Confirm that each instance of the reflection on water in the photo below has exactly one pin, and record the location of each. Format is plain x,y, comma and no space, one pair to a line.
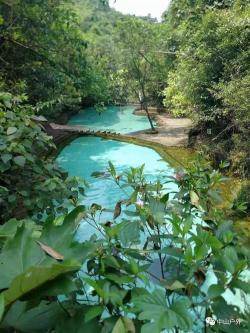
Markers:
116,119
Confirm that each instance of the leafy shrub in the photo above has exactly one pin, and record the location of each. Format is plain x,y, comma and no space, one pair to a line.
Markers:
30,182
209,81
243,198
146,269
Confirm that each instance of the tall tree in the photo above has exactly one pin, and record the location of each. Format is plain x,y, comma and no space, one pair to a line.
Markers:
140,43
209,80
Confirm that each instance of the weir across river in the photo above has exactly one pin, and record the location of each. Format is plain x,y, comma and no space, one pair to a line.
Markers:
173,133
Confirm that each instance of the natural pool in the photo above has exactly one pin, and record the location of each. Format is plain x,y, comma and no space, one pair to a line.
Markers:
115,119
86,155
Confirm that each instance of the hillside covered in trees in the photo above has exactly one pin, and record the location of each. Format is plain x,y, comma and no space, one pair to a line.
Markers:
166,258
195,62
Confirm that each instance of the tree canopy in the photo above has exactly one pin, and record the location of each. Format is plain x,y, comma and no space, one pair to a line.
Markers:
210,77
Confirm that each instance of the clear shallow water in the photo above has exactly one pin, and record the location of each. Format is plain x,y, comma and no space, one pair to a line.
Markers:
115,119
86,155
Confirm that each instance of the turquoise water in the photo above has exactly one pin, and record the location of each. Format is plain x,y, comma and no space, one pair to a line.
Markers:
115,119
86,155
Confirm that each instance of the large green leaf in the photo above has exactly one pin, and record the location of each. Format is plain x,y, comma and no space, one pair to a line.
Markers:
93,312
129,232
215,290
8,229
59,233
229,258
19,160
1,305
62,285
149,328
243,285
11,130
22,252
60,237
108,292
223,310
77,323
18,255
28,317
182,316
119,327
153,306
34,278
158,210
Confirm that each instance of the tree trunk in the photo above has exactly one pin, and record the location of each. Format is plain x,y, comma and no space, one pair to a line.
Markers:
145,105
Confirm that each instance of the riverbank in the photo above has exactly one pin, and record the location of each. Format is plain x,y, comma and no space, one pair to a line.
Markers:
170,143
172,132
176,156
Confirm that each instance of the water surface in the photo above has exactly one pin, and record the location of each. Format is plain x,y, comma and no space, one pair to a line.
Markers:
115,119
86,155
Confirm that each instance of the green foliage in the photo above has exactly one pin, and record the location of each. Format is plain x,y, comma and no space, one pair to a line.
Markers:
53,58
30,274
147,273
154,305
209,81
104,73
241,203
145,65
31,51
30,182
235,96
35,277
150,269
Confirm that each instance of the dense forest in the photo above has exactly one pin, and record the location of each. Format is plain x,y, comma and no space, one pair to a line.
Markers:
56,58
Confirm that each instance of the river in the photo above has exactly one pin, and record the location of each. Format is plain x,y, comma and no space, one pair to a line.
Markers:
87,155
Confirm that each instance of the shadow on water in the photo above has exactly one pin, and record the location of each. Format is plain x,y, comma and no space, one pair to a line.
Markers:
91,117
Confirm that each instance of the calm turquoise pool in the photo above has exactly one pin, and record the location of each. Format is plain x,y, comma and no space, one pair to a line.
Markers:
116,119
86,155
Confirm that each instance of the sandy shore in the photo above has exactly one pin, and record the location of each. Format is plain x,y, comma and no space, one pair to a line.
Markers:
172,132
